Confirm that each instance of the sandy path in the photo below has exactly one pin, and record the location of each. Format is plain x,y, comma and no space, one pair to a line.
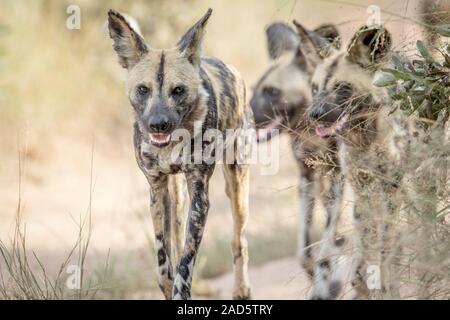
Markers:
281,279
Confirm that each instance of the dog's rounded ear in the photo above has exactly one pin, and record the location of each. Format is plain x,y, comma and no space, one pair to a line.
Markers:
330,33
128,44
190,45
280,39
311,44
369,46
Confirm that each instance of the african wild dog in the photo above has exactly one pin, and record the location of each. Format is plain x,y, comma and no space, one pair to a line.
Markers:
280,100
348,105
169,90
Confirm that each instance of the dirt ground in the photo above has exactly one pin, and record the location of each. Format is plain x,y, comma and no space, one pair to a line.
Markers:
121,228
281,279
120,222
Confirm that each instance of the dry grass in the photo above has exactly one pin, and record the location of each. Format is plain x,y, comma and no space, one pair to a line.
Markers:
24,276
427,213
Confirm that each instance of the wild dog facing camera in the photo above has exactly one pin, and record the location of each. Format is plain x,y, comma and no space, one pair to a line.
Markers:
341,85
178,89
163,86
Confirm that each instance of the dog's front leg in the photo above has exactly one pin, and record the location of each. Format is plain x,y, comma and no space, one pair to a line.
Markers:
391,247
307,198
326,286
305,214
159,210
362,229
197,181
178,195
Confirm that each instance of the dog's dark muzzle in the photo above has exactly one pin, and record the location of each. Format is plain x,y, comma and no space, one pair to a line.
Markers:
322,110
160,123
263,112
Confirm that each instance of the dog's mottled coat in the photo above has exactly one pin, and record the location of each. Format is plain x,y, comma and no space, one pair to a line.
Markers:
280,100
171,90
372,146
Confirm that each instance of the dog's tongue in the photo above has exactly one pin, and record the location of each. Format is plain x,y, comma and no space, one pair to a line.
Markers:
322,131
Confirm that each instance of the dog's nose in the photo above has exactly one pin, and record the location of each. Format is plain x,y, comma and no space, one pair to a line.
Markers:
159,123
314,114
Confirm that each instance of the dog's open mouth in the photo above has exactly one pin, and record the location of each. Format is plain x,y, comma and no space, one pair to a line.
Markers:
159,139
328,129
267,131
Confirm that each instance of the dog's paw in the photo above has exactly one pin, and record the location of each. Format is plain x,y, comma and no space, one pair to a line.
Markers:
331,293
242,294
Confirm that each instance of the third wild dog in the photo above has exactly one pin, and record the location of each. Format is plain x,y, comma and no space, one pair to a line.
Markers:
170,91
280,100
348,105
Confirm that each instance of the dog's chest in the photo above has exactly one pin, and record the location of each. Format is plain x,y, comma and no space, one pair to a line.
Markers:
372,165
154,161
180,157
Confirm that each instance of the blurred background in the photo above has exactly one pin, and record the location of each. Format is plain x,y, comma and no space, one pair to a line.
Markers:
66,138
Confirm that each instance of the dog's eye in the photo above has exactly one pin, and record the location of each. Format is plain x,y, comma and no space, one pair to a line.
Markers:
143,90
271,92
343,87
314,89
178,91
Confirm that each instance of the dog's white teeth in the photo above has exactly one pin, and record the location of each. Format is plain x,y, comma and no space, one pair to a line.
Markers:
159,137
